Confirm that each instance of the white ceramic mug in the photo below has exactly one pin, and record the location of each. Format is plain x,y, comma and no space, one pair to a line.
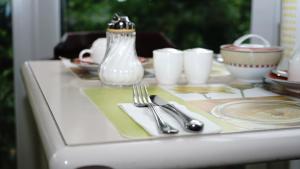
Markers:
197,65
97,51
168,65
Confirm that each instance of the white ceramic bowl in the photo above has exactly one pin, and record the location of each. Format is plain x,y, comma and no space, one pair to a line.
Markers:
250,62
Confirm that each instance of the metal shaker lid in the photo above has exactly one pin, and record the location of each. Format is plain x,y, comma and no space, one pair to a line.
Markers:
120,23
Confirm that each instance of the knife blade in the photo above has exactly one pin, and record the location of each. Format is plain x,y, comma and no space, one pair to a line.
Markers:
188,123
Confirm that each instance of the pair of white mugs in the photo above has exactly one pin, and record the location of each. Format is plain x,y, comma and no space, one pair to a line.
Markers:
169,64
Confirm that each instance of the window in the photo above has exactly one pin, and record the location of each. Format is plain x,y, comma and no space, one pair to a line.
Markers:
187,24
7,123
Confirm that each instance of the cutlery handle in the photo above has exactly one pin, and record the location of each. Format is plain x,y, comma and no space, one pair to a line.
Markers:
162,125
188,122
177,112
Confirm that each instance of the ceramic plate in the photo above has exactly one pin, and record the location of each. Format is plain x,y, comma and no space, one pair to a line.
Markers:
266,112
289,85
90,66
87,65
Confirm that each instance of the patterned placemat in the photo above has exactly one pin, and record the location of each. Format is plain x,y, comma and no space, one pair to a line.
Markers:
107,99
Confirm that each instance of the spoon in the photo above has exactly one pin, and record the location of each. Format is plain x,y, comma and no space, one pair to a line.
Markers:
187,122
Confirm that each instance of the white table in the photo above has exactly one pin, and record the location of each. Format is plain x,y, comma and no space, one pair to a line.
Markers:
75,134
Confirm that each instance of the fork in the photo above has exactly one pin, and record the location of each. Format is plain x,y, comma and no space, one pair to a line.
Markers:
141,99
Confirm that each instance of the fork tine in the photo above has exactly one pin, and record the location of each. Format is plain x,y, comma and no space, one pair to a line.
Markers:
145,94
134,94
140,94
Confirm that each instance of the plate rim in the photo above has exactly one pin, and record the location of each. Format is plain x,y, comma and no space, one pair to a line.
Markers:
218,107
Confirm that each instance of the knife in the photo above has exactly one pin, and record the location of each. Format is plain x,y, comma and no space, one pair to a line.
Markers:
187,122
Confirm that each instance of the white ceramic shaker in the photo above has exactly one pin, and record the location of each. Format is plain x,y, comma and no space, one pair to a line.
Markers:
121,66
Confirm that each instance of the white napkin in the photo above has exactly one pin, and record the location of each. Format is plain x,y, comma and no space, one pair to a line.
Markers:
145,118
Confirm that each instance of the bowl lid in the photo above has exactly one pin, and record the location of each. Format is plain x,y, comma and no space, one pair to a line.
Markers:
239,46
232,47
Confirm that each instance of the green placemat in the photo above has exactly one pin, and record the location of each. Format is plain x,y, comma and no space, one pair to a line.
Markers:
107,99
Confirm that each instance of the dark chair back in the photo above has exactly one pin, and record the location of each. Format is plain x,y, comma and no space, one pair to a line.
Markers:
73,42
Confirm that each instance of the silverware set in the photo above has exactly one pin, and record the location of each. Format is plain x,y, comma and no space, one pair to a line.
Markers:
141,98
187,122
